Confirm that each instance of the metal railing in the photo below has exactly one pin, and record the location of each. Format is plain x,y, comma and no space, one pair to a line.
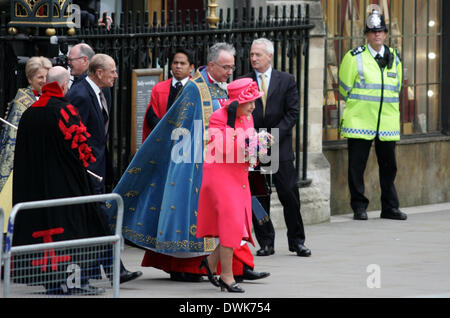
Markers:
2,222
138,42
45,249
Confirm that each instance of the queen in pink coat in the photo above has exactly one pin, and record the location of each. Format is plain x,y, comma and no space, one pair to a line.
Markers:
225,201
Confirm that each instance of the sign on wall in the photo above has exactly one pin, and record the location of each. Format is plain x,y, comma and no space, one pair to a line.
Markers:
143,81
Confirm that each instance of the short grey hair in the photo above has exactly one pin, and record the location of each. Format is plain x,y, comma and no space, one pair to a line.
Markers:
267,43
214,51
99,62
86,50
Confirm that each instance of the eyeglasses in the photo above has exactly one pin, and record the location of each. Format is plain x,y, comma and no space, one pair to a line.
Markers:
226,67
74,58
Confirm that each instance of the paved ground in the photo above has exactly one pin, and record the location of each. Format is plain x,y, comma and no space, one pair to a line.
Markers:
403,258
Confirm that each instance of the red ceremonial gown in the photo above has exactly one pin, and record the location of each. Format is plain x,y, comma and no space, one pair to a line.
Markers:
158,102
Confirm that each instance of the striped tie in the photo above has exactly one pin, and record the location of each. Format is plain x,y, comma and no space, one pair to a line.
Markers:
105,112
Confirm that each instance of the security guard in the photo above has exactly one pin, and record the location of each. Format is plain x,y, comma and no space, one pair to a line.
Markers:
370,79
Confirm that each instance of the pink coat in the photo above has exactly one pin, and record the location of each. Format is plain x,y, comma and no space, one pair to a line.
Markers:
225,209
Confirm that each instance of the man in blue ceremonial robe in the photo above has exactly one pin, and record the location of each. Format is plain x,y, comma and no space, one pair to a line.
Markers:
161,185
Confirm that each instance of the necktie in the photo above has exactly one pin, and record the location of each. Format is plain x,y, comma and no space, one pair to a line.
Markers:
379,60
174,93
264,89
104,111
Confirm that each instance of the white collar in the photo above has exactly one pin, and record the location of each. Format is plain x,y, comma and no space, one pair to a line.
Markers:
94,86
183,81
374,53
222,85
267,73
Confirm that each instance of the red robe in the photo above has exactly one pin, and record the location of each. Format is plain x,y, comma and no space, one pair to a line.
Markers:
158,102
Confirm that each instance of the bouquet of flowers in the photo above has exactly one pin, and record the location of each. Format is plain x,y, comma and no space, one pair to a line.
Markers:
256,146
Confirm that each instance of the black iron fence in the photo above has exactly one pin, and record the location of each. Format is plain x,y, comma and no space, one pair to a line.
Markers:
144,41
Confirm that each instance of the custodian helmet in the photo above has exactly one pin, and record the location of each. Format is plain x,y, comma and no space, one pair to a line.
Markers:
375,22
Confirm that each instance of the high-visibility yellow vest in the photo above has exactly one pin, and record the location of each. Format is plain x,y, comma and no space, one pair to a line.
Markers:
372,96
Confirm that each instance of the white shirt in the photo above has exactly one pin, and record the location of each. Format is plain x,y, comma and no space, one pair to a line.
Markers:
267,74
96,89
183,81
374,53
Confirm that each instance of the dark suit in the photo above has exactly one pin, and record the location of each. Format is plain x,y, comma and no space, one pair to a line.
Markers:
282,111
82,96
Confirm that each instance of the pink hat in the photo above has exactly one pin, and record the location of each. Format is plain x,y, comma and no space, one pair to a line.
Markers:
242,90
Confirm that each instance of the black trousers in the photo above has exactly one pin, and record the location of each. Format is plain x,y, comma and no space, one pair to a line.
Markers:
358,153
285,181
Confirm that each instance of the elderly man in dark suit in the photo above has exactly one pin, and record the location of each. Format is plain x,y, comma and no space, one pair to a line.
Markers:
87,95
79,58
93,106
278,109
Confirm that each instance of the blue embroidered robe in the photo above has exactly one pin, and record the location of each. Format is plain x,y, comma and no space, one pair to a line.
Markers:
161,185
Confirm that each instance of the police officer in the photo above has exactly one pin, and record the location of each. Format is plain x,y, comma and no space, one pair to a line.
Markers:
370,80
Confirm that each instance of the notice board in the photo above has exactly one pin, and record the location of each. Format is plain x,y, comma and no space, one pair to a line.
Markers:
143,81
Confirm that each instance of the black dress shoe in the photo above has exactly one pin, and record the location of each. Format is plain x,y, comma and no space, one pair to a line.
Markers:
185,277
85,289
265,251
301,250
360,215
55,289
126,276
394,214
250,274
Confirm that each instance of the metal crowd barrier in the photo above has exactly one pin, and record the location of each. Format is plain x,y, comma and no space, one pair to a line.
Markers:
30,268
2,220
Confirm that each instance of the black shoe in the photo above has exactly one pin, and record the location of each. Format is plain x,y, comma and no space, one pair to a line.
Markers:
250,274
360,215
210,275
301,250
394,214
126,276
265,251
185,277
57,290
232,288
86,290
